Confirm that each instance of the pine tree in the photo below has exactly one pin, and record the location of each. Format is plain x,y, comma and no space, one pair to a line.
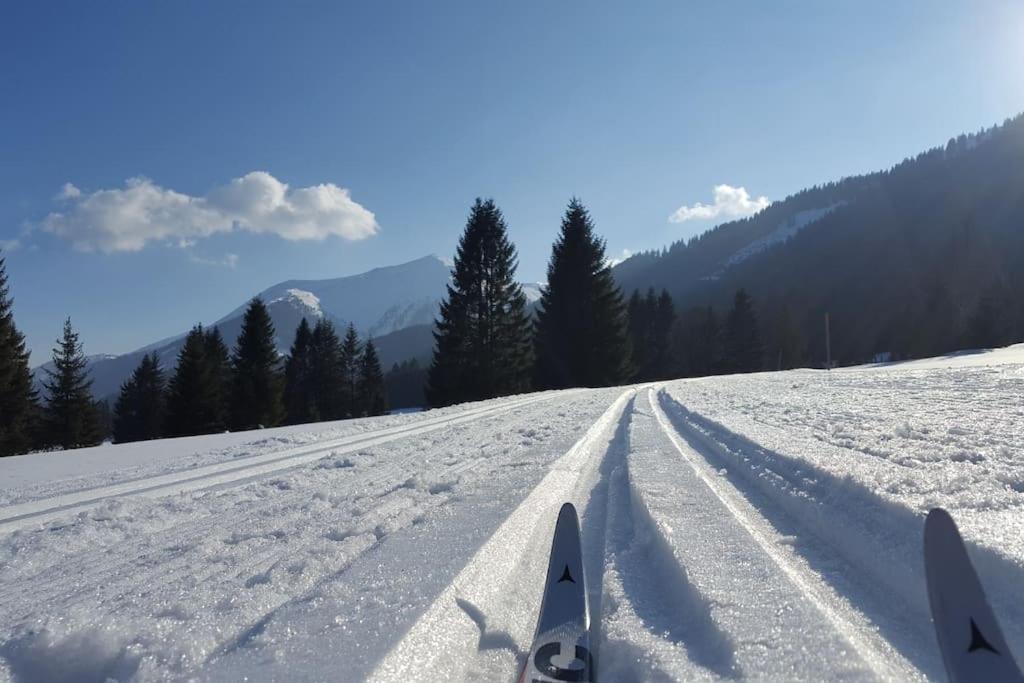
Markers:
256,382
194,403
349,357
791,349
636,314
140,410
299,385
218,368
18,405
983,325
70,417
372,393
743,350
325,352
664,316
482,340
581,336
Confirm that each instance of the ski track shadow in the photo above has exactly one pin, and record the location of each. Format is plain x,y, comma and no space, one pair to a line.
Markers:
594,521
658,587
492,640
888,596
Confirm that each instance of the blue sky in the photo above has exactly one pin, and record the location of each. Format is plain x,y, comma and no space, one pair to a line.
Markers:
141,142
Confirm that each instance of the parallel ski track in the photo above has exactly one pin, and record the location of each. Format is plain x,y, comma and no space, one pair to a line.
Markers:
109,579
874,651
41,511
444,640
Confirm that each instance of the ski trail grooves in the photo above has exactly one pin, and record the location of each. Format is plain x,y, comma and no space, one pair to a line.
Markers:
651,607
220,474
873,651
447,636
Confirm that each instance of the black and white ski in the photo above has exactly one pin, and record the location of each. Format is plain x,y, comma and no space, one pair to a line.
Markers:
972,644
561,646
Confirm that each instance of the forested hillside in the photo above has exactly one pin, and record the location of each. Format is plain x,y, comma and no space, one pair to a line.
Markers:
924,258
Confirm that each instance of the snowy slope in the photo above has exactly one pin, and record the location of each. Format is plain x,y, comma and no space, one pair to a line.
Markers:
754,526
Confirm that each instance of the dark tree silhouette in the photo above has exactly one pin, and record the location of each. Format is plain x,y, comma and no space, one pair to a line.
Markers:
581,336
350,351
743,349
218,366
482,339
256,381
18,404
70,419
140,410
299,381
194,402
328,378
372,393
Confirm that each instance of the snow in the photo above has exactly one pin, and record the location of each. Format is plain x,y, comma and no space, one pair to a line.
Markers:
781,233
532,290
761,526
307,300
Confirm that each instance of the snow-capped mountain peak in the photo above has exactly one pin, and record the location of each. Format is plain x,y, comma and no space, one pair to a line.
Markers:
300,298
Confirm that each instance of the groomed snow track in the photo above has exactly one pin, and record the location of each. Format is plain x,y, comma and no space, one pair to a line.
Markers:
690,580
416,552
232,473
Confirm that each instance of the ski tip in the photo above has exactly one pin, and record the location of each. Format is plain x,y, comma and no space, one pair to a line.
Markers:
937,521
567,515
938,516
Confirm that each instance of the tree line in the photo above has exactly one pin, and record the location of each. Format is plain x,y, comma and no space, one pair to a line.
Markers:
921,259
582,333
211,389
486,342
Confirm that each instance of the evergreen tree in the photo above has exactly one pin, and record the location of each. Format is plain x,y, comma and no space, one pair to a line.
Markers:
327,376
482,339
983,325
697,343
218,368
743,350
406,384
664,316
636,314
256,382
70,417
581,336
790,351
194,402
18,405
299,385
104,419
372,393
349,356
140,410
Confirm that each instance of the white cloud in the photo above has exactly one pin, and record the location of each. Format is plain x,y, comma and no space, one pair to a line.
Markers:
126,219
730,202
229,260
9,245
68,191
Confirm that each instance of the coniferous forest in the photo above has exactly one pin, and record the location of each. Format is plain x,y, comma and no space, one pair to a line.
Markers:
920,260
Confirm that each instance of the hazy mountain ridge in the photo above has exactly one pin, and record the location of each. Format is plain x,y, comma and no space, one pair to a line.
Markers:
395,305
905,261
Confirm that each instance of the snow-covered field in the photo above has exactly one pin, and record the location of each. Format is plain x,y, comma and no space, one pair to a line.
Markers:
758,526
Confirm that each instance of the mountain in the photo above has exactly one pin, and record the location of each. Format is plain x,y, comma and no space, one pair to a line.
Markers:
377,302
396,305
920,259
